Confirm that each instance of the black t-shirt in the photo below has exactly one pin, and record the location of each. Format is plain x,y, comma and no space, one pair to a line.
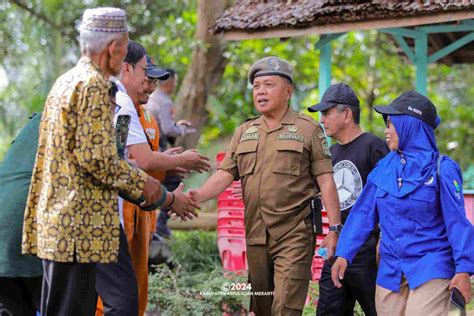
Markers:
352,164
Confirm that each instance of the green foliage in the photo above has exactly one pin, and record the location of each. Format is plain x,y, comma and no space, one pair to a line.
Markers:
39,44
180,292
196,251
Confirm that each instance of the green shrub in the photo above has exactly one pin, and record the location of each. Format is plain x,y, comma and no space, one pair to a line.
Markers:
196,251
180,291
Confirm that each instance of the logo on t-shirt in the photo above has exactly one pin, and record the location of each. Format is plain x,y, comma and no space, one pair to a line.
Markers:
348,183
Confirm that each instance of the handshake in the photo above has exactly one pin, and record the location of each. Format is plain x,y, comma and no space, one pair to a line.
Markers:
180,203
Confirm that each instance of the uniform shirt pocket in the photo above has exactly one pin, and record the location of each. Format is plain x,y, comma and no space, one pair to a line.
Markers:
288,157
246,157
423,205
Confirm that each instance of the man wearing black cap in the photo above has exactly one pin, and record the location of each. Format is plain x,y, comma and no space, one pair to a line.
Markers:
354,156
143,147
278,157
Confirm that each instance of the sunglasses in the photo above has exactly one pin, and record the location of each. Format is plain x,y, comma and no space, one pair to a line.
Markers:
388,122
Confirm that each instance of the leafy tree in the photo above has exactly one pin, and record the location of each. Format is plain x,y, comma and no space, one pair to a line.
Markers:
38,43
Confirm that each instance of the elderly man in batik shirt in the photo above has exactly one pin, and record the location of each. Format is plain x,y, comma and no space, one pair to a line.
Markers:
71,216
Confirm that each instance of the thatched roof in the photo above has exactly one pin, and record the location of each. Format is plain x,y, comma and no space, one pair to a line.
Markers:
285,18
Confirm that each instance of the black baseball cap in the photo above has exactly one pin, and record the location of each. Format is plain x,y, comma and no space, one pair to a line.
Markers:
338,93
414,104
153,71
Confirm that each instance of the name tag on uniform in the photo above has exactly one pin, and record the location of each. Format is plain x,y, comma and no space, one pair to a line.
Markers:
252,136
288,136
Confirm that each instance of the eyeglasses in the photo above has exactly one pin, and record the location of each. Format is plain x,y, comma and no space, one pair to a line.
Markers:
141,66
388,122
137,64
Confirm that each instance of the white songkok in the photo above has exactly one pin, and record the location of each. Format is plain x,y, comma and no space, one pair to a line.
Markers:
110,20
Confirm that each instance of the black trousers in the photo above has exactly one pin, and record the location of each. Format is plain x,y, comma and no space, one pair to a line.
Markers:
358,284
68,289
20,296
116,283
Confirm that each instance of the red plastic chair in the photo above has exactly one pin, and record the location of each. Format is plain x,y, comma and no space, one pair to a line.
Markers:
226,231
233,212
317,267
226,203
231,222
220,156
469,206
233,252
318,261
227,195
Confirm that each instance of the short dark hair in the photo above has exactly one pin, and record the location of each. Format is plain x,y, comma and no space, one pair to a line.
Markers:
172,72
354,109
135,53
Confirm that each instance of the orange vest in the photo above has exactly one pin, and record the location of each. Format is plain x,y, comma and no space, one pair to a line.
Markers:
152,133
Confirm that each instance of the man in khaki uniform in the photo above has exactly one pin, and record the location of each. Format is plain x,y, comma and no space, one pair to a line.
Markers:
279,157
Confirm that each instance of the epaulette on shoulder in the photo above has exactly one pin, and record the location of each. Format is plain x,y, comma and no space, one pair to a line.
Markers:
307,118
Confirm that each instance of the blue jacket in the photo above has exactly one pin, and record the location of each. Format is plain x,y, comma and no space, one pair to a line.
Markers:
425,234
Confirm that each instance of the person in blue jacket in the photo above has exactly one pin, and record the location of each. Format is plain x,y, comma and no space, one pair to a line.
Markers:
427,243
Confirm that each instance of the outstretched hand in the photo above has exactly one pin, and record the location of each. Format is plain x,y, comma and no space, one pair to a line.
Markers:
194,161
173,151
183,206
178,172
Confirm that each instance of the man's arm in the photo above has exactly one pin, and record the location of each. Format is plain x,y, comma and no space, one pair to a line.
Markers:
150,160
331,204
330,198
214,186
224,176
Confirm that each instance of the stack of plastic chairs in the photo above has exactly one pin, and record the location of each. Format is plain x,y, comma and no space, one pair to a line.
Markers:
318,261
231,228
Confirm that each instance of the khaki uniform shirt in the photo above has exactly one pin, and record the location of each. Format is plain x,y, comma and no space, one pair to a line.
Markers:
277,168
71,211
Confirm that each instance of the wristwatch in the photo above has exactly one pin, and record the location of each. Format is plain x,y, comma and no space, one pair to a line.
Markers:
336,228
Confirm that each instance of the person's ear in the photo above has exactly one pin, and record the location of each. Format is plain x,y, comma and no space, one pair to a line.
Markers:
112,47
289,91
347,115
125,68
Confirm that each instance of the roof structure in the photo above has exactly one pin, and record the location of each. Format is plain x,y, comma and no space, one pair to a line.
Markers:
427,31
251,19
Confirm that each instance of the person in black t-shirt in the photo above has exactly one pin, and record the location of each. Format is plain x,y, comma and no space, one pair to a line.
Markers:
353,157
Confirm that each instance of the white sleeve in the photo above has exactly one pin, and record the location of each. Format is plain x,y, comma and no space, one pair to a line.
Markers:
136,135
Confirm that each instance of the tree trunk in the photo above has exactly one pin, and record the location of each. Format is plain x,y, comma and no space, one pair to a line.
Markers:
204,72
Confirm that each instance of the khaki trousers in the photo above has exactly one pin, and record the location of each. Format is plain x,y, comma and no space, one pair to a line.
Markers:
284,267
429,299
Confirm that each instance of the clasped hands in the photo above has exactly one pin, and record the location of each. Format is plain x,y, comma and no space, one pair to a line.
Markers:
180,203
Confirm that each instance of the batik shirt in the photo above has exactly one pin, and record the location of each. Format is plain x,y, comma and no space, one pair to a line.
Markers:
71,212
